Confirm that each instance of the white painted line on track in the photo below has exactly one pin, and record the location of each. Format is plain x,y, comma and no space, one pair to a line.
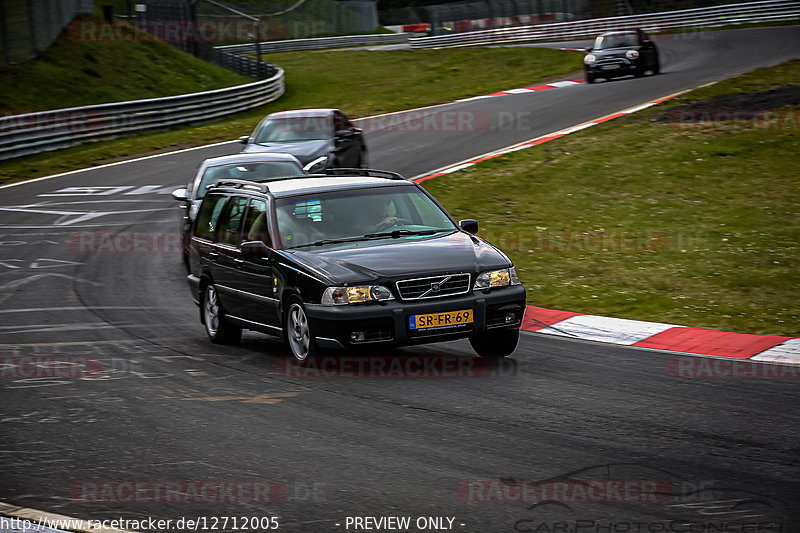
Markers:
34,517
117,163
356,120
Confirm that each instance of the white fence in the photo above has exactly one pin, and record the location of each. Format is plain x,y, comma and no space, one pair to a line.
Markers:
708,17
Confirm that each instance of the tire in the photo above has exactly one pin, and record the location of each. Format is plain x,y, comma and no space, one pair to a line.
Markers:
495,345
297,331
589,79
657,67
363,160
219,330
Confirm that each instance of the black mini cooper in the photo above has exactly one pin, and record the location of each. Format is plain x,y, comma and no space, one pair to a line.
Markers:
355,257
621,53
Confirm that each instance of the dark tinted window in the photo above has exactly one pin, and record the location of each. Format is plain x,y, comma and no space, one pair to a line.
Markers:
231,221
616,40
208,217
296,128
256,223
247,171
340,122
353,213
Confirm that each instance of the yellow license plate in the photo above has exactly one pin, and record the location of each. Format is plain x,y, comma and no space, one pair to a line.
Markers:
449,319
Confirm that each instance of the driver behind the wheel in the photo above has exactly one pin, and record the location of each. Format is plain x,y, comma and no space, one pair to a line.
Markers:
377,209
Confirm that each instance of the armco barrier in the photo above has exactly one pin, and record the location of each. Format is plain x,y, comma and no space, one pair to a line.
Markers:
33,133
707,17
294,45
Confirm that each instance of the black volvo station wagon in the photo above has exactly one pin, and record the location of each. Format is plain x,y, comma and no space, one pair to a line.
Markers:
355,257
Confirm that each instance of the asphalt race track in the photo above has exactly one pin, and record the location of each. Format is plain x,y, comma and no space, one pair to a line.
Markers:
157,403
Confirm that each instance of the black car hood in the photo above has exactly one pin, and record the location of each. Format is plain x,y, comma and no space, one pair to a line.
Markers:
613,52
305,151
403,258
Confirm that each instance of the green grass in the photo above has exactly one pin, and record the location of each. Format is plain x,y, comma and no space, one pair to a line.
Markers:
403,79
708,218
74,73
386,81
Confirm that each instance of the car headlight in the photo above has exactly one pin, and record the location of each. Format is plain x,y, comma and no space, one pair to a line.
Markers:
320,163
497,278
356,294
631,54
589,59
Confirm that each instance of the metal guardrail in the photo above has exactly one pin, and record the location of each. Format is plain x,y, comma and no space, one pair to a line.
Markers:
32,133
764,11
295,45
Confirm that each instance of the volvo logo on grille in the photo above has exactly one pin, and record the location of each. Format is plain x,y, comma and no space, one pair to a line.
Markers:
436,286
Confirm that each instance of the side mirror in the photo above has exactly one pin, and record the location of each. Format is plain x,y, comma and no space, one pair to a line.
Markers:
181,195
255,248
587,49
244,140
344,134
469,225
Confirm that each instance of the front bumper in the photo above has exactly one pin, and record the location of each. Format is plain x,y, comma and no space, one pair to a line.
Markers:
613,69
387,323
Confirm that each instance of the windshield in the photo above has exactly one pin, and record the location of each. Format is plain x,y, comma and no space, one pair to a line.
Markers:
359,215
247,171
294,129
616,40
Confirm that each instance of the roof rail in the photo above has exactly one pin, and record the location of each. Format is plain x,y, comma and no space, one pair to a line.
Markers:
242,184
363,172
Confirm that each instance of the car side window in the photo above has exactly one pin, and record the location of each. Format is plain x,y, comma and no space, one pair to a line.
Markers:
256,225
231,221
208,217
340,122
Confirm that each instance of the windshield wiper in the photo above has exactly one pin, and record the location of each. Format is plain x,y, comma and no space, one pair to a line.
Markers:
328,241
370,236
402,233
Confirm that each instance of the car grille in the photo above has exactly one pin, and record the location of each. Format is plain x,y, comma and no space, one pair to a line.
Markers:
434,287
620,61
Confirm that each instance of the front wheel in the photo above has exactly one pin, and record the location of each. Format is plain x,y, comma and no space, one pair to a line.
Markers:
219,330
297,331
496,344
657,67
589,79
363,161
